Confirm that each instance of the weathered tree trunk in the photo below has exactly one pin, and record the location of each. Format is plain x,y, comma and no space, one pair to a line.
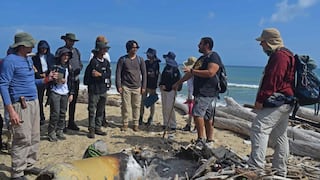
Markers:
238,126
308,113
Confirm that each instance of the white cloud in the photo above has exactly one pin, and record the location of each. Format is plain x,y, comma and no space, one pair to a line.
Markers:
287,12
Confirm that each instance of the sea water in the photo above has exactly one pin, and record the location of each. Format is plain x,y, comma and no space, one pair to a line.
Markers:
243,83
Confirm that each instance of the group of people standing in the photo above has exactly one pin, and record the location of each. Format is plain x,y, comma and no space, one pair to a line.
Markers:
23,82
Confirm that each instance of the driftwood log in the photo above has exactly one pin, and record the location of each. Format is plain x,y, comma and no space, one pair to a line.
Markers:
302,142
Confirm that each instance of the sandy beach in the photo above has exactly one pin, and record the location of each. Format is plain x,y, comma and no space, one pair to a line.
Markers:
76,143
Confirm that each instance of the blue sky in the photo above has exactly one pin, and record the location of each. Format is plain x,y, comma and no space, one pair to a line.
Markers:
167,25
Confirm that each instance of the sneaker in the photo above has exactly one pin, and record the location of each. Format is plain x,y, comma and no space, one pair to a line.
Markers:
135,128
210,143
124,128
91,134
60,135
52,137
187,128
100,132
199,144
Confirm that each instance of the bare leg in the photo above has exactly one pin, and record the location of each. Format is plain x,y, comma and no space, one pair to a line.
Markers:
199,121
209,130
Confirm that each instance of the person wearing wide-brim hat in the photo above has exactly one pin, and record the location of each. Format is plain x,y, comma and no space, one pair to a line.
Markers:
169,76
69,36
98,79
189,63
76,64
150,96
103,39
271,122
17,75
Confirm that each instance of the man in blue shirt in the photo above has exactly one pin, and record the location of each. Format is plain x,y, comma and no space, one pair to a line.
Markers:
19,94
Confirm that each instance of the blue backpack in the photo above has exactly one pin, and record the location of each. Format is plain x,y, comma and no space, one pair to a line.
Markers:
307,84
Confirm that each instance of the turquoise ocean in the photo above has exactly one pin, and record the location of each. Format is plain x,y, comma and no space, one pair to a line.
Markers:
243,83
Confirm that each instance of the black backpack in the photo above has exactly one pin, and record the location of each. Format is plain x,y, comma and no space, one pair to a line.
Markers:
307,84
223,83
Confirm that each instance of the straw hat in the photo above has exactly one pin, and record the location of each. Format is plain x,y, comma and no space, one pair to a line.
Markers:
190,61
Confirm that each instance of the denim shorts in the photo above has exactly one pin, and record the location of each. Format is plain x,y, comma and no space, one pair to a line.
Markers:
204,107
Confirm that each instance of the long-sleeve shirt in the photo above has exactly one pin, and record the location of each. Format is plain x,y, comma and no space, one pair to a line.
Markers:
98,85
131,72
17,79
278,75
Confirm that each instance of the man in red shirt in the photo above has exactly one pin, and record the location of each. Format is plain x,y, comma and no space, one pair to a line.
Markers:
272,117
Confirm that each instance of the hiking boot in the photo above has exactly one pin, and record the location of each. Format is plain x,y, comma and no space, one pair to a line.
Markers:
135,128
60,135
52,137
100,132
187,128
105,123
124,127
91,133
140,120
149,121
73,126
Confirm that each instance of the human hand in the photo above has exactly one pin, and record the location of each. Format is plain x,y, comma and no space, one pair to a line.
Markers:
186,69
14,118
143,90
53,75
95,73
175,86
258,105
70,98
119,90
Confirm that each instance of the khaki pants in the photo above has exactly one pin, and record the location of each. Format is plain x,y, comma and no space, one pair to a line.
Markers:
26,138
131,98
270,124
168,112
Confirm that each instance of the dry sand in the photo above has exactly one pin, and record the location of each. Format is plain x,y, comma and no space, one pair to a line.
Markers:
76,143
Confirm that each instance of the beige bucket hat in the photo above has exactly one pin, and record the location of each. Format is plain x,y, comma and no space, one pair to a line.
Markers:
23,39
